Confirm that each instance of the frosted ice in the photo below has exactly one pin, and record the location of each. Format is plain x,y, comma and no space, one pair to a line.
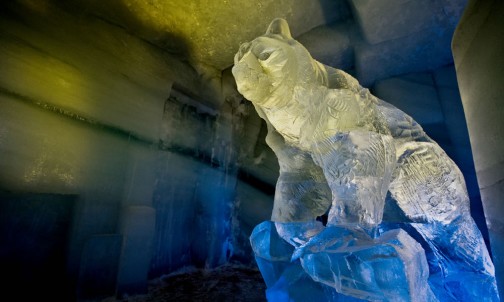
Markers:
346,154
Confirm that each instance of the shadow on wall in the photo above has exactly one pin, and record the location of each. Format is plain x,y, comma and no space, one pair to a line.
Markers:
143,20
332,10
123,14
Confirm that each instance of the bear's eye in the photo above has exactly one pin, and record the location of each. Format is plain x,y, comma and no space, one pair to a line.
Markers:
263,56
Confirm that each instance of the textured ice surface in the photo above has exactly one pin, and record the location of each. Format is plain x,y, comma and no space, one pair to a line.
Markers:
344,265
346,154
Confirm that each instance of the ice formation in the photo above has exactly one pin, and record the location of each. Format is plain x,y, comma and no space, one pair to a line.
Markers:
348,155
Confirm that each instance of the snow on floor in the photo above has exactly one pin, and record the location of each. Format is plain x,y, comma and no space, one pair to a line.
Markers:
226,283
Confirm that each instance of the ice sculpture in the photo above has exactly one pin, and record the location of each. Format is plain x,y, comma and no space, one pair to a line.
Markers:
348,155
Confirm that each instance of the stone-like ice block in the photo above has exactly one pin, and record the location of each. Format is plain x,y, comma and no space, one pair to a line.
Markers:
52,153
451,103
425,50
393,19
213,198
137,226
330,45
446,77
197,125
345,154
175,205
140,175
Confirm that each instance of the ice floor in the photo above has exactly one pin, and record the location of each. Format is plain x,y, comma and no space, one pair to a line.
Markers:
226,283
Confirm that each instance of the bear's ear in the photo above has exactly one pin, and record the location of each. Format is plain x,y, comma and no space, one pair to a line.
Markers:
279,27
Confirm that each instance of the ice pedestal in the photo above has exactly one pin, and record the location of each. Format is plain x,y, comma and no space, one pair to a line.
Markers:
341,264
309,262
285,280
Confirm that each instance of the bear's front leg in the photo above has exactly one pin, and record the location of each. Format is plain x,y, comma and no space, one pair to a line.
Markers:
358,167
301,192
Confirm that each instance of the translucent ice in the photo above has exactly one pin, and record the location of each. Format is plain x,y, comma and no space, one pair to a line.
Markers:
348,155
346,262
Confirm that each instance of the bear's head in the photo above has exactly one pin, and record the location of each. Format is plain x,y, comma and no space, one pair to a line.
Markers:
268,68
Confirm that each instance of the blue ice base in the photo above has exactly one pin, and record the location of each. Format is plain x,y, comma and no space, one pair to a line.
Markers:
345,264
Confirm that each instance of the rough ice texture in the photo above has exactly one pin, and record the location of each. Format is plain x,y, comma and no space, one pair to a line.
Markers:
394,19
348,155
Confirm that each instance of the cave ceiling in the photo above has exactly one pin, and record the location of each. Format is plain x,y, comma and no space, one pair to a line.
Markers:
208,32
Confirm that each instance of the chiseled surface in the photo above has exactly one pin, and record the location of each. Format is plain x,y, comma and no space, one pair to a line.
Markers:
345,153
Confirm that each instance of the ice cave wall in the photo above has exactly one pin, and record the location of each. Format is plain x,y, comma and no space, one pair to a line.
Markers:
126,177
